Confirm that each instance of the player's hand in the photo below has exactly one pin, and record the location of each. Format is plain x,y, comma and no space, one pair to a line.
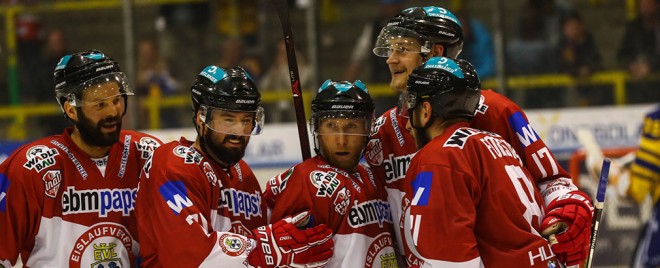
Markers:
283,244
568,227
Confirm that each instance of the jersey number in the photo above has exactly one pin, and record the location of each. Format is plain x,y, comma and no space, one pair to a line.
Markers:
525,191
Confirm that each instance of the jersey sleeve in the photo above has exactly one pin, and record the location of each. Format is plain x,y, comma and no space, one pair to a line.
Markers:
175,217
552,180
287,194
20,208
441,196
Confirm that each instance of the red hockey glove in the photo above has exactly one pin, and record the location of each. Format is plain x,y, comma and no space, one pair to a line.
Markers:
569,221
283,244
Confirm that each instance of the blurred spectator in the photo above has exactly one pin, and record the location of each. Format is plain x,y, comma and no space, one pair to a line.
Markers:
154,78
32,74
277,79
639,49
478,45
232,54
529,51
362,53
577,51
234,19
56,48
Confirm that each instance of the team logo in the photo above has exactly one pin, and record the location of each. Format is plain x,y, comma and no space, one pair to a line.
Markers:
189,154
342,200
325,182
374,152
52,180
40,157
103,245
381,253
210,174
146,146
233,245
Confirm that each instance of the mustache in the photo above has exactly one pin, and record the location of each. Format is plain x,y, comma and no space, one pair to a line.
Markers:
112,119
242,139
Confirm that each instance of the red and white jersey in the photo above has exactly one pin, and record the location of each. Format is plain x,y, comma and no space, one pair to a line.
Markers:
469,202
354,206
391,148
193,213
58,210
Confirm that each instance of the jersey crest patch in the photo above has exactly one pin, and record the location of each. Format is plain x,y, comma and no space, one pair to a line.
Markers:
381,253
40,157
146,146
101,245
459,137
325,182
4,185
233,245
374,152
342,200
52,180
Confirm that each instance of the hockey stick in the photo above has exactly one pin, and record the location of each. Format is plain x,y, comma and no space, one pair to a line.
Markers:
600,203
282,8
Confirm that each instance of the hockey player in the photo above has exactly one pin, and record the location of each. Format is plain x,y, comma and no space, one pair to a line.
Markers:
199,204
338,190
644,181
419,33
465,187
67,200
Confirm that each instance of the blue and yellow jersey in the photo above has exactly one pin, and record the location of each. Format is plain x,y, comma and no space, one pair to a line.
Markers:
645,171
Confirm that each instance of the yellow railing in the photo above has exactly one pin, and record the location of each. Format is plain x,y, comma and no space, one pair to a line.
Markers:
154,102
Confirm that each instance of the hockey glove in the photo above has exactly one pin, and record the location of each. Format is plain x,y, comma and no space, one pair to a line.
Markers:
568,224
283,244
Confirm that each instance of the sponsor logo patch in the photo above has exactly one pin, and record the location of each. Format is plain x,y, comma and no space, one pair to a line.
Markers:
524,131
379,123
482,108
52,180
342,200
374,152
396,167
189,154
369,212
101,201
326,182
240,202
40,157
459,137
175,195
146,146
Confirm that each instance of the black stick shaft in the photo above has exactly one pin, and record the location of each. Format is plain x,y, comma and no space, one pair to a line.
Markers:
282,8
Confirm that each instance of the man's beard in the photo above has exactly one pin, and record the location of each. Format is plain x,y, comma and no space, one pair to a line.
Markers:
229,156
93,135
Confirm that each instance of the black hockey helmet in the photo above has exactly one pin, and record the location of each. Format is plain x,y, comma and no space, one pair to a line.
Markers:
443,83
77,72
342,100
428,25
470,74
230,89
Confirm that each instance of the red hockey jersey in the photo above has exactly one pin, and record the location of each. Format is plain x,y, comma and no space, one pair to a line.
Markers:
354,206
391,148
193,213
469,202
58,210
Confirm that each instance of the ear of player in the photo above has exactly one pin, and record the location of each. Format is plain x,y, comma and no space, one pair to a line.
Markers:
287,244
568,220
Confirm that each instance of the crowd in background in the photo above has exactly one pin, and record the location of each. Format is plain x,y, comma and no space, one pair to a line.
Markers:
544,37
